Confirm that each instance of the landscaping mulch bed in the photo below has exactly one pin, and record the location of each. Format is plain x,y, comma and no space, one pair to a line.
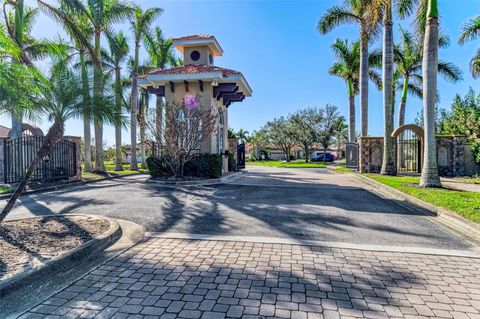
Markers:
28,243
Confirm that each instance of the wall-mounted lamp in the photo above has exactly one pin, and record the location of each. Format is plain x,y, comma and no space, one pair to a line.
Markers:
215,82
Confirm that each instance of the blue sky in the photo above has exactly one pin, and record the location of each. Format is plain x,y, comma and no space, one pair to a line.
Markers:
276,46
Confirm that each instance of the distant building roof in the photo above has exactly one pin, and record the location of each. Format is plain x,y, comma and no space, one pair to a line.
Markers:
4,131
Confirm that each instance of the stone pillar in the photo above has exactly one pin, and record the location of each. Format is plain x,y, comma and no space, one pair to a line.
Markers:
78,158
370,154
458,155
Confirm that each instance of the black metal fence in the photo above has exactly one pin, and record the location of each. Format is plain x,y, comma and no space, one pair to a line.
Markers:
408,153
19,153
241,156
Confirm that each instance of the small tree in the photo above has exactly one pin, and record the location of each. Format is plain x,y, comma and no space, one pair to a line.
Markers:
305,125
330,125
186,128
60,100
279,133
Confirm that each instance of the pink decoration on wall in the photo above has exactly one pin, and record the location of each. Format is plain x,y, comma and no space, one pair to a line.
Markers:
191,102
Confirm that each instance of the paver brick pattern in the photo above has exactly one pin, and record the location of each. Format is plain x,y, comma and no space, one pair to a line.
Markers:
175,278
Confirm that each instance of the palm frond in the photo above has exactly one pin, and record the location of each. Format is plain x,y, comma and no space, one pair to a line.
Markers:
449,71
376,79
70,25
405,8
334,17
475,65
470,30
375,58
415,90
116,11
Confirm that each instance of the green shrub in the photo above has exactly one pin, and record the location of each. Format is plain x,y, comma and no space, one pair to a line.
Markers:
476,151
232,163
157,167
204,165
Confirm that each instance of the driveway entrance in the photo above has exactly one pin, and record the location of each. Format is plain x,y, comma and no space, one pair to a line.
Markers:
309,204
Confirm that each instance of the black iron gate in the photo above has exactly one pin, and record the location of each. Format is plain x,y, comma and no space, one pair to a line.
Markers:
408,150
19,153
241,156
351,155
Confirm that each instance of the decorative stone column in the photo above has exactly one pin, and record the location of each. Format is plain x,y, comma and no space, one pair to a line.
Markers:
370,154
458,155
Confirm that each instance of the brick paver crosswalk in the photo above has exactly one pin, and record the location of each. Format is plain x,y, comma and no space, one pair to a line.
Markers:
176,278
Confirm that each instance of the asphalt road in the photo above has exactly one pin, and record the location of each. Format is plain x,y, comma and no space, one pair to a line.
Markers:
310,204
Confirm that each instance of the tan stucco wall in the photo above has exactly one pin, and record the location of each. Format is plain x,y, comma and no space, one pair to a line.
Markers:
206,100
204,53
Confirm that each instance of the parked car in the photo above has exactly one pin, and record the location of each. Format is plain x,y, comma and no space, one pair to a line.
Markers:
329,157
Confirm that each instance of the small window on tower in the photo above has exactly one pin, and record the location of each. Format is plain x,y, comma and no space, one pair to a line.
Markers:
195,55
210,59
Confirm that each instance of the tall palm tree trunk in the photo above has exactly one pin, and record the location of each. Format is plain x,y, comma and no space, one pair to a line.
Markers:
403,102
133,123
388,164
430,176
351,113
364,81
98,97
87,135
54,135
16,131
141,122
134,109
118,128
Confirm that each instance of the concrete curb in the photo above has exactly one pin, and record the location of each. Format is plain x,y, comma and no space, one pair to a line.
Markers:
66,185
451,220
34,277
204,182
316,243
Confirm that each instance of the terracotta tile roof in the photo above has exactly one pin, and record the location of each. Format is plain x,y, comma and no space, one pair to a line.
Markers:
194,37
195,69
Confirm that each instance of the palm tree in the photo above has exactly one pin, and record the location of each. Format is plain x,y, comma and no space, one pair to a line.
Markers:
388,163
86,29
408,61
19,26
357,12
140,24
430,176
242,135
470,31
18,30
101,15
118,54
61,101
161,53
347,67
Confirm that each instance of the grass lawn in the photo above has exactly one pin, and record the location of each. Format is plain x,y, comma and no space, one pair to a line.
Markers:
340,168
6,189
466,204
293,164
110,167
